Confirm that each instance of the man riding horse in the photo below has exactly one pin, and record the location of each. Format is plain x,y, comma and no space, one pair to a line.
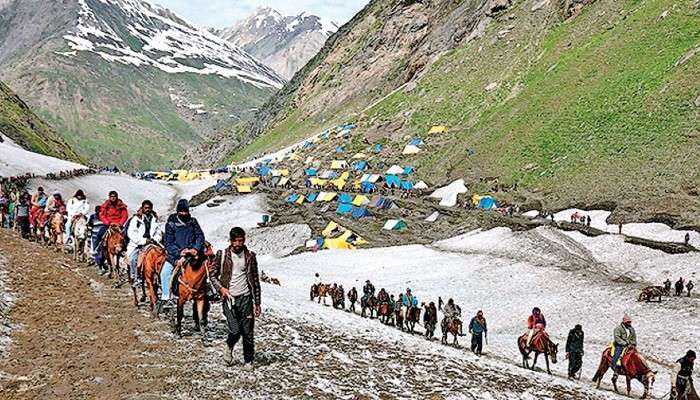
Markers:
624,337
39,200
143,230
536,324
183,237
368,289
76,207
452,312
112,212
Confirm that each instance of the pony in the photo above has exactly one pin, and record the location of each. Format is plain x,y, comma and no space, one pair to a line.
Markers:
384,313
192,286
400,315
38,228
148,266
368,302
452,327
56,225
112,245
321,291
649,293
338,298
541,344
634,366
79,232
412,318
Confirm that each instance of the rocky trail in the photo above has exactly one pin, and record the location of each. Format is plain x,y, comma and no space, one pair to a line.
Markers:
77,336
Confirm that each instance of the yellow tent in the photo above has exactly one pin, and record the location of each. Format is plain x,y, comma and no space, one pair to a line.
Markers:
243,189
345,175
339,164
338,183
360,200
250,181
476,199
438,129
411,149
283,181
357,185
348,233
280,172
330,228
294,157
337,244
326,196
359,156
300,200
318,181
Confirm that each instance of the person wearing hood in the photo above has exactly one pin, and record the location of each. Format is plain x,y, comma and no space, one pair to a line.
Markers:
76,206
183,237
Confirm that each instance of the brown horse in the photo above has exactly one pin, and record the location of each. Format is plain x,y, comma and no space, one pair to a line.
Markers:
38,228
148,266
368,302
79,233
400,315
453,327
634,366
112,245
384,313
192,286
57,226
321,291
541,344
412,317
338,298
650,293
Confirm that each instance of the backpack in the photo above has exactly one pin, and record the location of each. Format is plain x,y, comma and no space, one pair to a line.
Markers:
125,231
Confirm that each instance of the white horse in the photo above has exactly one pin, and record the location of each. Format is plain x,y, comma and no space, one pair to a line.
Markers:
79,232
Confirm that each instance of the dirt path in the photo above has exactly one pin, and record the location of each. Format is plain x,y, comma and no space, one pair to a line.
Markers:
76,336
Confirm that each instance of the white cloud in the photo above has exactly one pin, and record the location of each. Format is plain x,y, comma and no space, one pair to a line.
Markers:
221,13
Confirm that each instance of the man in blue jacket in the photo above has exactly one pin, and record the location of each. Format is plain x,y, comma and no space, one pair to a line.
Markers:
182,237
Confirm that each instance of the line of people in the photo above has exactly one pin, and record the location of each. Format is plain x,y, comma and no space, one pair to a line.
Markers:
678,286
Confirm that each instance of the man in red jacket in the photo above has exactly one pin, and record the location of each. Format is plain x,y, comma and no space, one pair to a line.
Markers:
112,212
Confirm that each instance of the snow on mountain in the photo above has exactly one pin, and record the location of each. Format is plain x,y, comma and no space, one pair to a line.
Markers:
285,43
138,32
16,161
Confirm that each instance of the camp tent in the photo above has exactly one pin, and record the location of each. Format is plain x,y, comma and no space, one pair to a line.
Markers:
359,212
344,208
300,200
394,225
416,142
292,198
377,148
433,217
283,181
307,145
311,197
367,187
359,156
250,181
410,149
359,165
332,228
372,178
487,202
280,172
448,194
337,244
345,198
420,185
310,172
243,189
438,129
394,170
264,171
326,196
408,170
376,202
392,181
406,185
339,149
339,164
360,200
338,184
318,181
328,175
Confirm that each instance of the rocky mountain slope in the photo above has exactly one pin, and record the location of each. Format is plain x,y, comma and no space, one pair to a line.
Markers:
127,81
548,102
284,43
24,128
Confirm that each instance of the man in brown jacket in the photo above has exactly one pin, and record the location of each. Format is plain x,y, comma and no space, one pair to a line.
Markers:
236,279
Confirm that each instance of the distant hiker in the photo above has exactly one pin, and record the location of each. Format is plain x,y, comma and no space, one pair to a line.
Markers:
182,237
624,337
689,286
236,279
536,323
619,228
430,320
440,303
574,350
368,289
352,298
38,202
588,220
682,377
22,212
679,286
687,239
667,287
4,206
477,327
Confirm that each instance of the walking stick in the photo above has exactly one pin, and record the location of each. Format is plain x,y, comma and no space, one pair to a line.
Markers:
486,335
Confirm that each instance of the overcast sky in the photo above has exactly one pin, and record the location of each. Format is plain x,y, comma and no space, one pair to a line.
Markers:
222,13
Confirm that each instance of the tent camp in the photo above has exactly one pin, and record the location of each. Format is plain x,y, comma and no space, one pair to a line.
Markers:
367,187
416,142
372,178
410,149
344,208
292,198
359,165
360,200
377,148
394,170
283,181
311,197
433,217
339,149
394,225
420,185
448,194
264,171
392,181
406,185
250,181
359,212
339,164
438,129
408,170
484,202
376,202
359,156
328,175
243,189
326,196
345,198
331,229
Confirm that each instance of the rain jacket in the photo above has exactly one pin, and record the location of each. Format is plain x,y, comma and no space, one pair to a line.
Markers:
114,214
622,338
181,235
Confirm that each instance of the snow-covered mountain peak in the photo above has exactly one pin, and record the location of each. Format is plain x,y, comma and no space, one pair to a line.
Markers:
139,32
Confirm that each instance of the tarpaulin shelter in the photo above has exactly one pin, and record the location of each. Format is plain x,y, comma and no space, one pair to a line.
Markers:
279,172
221,184
394,170
416,142
377,148
344,208
367,187
300,200
339,149
345,198
331,229
310,172
359,212
307,145
408,170
448,194
410,149
338,184
373,178
406,185
283,181
339,164
395,225
360,200
433,217
392,181
292,198
376,202
311,197
487,202
264,171
359,156
326,196
249,181
243,189
318,181
328,175
420,185
359,165
438,129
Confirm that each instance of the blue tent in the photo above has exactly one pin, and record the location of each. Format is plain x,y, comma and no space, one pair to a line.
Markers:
416,142
360,165
408,170
311,197
325,134
292,198
377,148
359,212
222,184
310,172
487,203
339,149
307,145
392,181
406,185
345,198
367,187
264,171
344,208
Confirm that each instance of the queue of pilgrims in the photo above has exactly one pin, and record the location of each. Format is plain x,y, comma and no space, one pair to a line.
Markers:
183,237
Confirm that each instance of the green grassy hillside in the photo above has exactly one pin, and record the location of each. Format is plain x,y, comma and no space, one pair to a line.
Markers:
21,125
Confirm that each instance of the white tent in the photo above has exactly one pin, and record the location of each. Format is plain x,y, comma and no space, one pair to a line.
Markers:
433,217
394,170
420,185
448,194
411,149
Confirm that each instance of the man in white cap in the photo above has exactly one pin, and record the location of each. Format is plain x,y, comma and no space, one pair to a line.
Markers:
624,337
